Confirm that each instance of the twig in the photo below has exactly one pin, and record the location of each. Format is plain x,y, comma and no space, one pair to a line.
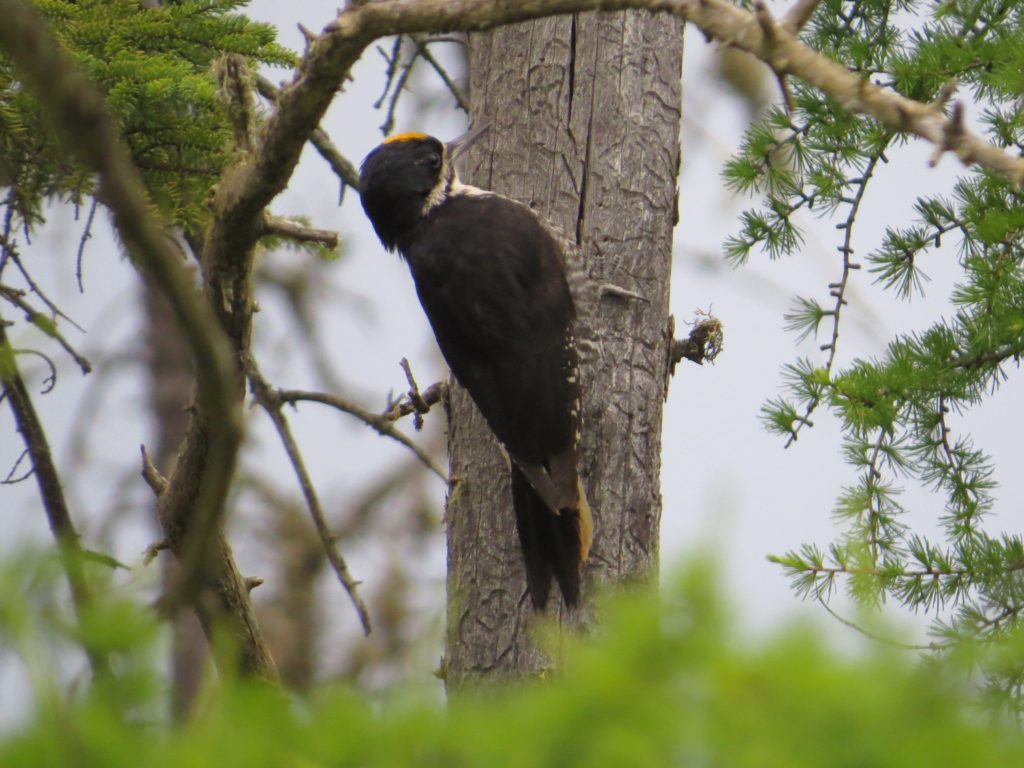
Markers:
798,16
12,254
51,493
295,230
102,558
389,119
952,130
379,422
878,638
424,51
270,400
431,396
307,34
610,289
152,475
6,246
149,553
11,479
50,380
415,399
389,75
86,236
45,324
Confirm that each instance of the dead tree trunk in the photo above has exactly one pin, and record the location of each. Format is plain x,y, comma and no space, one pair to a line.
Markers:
584,113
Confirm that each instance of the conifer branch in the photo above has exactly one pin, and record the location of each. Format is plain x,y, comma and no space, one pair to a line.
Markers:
838,289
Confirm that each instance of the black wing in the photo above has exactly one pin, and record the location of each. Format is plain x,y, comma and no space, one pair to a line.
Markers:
491,279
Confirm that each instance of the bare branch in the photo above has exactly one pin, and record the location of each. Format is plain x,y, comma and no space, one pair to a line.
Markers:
50,380
294,230
270,400
423,47
381,423
396,92
235,81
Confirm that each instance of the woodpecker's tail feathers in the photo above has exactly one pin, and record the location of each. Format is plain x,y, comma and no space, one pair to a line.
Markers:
553,545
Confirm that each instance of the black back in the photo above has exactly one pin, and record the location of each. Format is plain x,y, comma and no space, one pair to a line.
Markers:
491,279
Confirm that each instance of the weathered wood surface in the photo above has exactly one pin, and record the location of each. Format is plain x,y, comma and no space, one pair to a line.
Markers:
584,115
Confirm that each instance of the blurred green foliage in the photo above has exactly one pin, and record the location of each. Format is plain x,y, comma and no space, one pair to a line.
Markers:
668,681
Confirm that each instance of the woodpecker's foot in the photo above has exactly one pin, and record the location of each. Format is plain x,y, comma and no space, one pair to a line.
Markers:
609,289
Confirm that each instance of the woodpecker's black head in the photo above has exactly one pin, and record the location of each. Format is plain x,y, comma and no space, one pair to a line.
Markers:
403,178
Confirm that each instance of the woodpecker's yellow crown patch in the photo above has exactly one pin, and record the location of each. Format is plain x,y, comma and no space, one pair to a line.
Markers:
407,136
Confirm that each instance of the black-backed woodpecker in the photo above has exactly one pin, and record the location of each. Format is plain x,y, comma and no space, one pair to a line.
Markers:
492,280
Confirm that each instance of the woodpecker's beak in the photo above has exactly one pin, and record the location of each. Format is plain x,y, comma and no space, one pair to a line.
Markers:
457,146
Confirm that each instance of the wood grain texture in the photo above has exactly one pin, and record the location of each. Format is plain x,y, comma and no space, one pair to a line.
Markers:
584,113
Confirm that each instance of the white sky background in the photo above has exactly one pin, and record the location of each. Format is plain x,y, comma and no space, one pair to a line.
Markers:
728,486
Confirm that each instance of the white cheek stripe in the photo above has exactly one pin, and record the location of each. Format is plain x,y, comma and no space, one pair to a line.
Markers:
447,188
436,196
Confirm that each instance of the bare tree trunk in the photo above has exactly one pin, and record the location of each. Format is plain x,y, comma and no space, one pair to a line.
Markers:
584,115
